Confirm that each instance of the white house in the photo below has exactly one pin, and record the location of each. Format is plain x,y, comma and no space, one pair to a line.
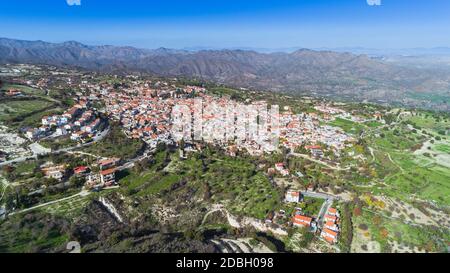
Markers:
292,196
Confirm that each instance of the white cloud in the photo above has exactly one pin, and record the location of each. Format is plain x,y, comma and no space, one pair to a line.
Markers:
73,2
374,2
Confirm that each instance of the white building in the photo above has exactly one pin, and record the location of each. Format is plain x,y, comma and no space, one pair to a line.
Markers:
292,196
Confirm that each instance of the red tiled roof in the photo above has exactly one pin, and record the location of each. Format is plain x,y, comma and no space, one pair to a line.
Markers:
80,169
332,210
302,220
107,161
330,218
109,171
329,232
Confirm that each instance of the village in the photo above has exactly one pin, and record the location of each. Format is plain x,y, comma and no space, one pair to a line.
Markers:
144,111
326,138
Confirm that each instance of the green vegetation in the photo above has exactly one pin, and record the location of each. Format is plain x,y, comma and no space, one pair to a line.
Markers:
116,144
386,230
14,110
433,97
236,179
28,110
58,143
347,125
346,235
373,124
311,206
429,120
232,93
26,90
215,177
34,232
404,172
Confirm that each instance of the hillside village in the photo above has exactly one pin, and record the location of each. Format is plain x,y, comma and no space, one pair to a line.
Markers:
326,137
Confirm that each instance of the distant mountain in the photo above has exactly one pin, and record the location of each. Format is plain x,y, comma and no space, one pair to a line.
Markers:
325,73
387,52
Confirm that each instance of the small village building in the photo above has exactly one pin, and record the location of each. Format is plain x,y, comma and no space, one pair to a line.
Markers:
108,163
332,226
54,172
81,170
108,177
329,235
292,196
302,221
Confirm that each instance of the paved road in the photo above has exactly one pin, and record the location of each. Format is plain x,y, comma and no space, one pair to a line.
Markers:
323,210
325,206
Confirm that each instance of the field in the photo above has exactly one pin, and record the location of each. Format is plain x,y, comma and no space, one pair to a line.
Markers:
27,111
347,125
407,165
26,90
11,110
430,121
445,148
378,233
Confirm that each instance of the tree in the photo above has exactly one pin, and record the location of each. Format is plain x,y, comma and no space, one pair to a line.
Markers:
76,181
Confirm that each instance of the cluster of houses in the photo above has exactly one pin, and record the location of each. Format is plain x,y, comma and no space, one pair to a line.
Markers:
305,128
79,121
299,219
330,229
105,177
145,112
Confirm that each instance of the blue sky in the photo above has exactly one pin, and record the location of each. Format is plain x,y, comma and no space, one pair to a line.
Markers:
231,23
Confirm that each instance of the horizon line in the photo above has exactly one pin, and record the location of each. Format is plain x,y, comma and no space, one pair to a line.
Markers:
261,49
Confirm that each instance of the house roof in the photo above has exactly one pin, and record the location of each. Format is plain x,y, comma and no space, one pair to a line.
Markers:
108,161
332,210
330,217
109,171
301,219
329,233
293,193
80,169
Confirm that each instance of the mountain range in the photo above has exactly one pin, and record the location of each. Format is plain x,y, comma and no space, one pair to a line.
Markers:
303,71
